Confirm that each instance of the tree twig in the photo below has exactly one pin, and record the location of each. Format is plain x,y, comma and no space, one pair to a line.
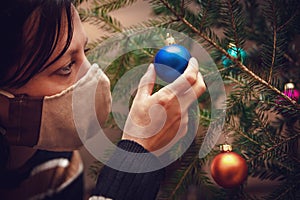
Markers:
235,60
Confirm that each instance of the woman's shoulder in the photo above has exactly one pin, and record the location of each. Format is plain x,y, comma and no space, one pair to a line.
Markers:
46,173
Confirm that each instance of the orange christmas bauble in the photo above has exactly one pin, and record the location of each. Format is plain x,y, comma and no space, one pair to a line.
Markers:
229,169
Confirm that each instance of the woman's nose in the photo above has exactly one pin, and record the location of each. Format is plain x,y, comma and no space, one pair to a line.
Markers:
85,66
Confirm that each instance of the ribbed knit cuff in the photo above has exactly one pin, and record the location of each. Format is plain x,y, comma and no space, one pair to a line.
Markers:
116,183
131,146
133,158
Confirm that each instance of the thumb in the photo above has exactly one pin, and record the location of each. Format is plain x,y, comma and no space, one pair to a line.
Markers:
147,82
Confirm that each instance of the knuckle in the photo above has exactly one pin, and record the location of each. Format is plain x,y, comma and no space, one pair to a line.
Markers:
166,97
199,88
191,78
202,87
164,100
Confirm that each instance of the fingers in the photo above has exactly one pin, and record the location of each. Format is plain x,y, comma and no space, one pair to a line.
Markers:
195,90
199,87
186,80
190,84
147,82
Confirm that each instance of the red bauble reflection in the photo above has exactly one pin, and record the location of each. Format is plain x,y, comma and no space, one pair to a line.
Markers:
229,169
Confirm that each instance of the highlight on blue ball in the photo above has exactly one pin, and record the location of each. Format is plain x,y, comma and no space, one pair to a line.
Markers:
171,61
236,53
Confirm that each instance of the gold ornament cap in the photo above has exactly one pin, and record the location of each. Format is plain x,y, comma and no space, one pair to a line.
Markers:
225,148
231,45
169,40
289,86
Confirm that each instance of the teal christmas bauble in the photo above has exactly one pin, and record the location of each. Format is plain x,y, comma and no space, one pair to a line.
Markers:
171,61
236,53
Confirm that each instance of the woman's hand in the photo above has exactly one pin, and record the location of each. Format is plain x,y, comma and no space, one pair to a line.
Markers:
159,120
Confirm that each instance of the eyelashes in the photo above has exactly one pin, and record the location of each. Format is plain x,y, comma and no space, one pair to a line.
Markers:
67,70
86,50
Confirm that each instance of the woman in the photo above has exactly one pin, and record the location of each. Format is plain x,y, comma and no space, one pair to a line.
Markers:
42,64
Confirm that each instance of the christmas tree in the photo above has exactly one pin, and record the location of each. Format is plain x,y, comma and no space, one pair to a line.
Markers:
253,45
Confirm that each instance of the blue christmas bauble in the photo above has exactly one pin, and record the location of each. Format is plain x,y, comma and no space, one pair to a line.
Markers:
171,61
236,53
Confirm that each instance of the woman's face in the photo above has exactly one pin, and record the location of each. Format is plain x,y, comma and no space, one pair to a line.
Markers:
65,71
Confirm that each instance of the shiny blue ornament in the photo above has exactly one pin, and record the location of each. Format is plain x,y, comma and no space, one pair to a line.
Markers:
171,61
236,53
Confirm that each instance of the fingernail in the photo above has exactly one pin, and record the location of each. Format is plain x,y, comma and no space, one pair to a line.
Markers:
150,66
194,62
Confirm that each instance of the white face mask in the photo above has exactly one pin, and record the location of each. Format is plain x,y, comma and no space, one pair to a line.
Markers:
48,122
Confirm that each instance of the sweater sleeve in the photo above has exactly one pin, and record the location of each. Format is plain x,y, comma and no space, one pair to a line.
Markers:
120,185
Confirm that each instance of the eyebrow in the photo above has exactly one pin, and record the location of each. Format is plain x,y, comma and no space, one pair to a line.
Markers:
69,52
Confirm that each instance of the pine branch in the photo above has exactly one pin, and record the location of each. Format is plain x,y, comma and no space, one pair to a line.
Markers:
280,28
97,17
182,8
273,147
113,23
111,5
204,117
233,24
235,60
274,40
186,172
282,192
161,21
256,95
258,138
240,132
205,14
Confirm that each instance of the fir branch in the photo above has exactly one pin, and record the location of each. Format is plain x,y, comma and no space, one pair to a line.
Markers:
255,95
273,147
280,28
182,8
168,6
113,23
204,16
234,80
112,5
235,60
116,75
97,16
138,32
233,24
186,172
272,104
290,59
161,21
240,132
282,191
203,116
244,68
274,41
262,120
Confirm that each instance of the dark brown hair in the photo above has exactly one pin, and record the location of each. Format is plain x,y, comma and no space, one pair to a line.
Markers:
23,55
30,31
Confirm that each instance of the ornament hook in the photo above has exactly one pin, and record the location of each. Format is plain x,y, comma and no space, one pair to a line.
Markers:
289,86
169,39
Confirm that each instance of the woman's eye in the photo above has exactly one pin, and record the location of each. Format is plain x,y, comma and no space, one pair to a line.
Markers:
67,70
